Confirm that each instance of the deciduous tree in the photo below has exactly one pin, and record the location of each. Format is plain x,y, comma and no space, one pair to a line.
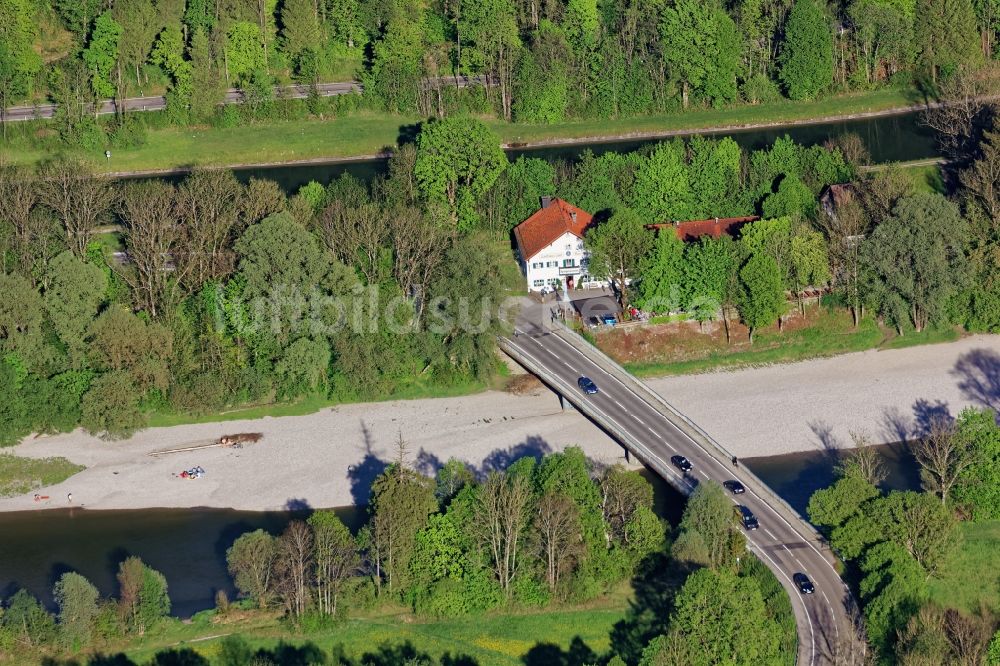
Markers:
807,52
251,561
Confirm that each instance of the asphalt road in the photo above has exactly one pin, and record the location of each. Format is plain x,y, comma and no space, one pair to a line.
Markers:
233,96
824,619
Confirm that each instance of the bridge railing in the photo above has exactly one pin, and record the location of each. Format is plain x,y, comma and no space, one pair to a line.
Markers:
696,432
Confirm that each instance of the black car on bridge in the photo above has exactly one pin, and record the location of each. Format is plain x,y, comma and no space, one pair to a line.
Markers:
681,463
803,583
747,518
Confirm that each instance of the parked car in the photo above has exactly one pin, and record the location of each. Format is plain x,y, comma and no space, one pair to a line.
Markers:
587,385
609,320
803,583
747,518
681,463
735,487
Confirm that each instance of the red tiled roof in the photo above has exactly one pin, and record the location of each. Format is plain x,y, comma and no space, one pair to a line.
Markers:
548,224
695,229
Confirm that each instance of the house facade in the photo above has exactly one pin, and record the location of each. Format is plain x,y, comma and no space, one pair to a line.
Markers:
551,249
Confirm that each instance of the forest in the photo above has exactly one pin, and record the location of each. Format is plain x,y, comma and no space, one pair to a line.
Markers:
540,533
543,60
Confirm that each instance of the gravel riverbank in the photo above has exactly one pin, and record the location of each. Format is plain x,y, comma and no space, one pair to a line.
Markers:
329,458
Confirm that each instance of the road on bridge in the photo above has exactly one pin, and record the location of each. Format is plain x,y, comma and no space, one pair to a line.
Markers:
630,412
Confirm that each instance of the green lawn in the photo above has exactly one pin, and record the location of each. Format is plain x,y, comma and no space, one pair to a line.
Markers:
829,334
973,575
22,475
367,133
499,639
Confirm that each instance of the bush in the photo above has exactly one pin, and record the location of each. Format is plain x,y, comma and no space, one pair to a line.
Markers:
529,591
760,89
128,133
227,116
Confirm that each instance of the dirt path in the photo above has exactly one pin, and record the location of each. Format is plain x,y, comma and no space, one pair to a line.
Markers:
329,458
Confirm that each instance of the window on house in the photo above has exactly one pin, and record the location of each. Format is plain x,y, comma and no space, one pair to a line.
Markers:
553,264
538,283
569,263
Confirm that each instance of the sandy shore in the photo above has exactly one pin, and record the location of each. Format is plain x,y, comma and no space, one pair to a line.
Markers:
329,458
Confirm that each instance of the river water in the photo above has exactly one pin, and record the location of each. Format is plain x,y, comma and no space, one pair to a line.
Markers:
897,138
189,545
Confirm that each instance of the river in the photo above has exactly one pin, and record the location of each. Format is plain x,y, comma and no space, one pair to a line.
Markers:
189,545
897,138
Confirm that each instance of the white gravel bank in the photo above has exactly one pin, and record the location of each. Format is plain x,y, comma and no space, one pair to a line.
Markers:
328,458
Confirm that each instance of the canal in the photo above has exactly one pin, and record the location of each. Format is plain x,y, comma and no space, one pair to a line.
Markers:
898,138
189,545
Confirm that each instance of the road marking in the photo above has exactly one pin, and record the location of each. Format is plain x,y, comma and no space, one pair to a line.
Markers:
812,633
618,403
651,430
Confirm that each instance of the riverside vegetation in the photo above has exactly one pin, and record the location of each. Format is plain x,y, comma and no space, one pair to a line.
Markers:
546,62
530,538
900,547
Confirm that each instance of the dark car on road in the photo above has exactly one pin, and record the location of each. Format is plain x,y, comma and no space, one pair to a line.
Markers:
587,385
803,583
747,518
681,463
735,487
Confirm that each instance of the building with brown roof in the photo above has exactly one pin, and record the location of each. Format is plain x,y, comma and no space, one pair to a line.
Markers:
692,230
550,245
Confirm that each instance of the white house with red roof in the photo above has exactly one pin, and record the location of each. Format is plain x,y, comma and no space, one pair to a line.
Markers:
551,249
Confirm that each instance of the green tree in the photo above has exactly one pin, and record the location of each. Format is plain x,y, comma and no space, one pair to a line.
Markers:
662,189
709,268
979,485
807,52
300,31
704,49
617,247
491,27
393,79
168,53
661,274
77,600
542,83
244,52
458,159
303,366
401,503
250,561
793,199
832,507
22,315
110,408
139,26
74,295
893,589
19,63
708,532
715,172
946,33
761,298
27,620
335,558
913,262
719,618
143,600
810,265
883,35
101,55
